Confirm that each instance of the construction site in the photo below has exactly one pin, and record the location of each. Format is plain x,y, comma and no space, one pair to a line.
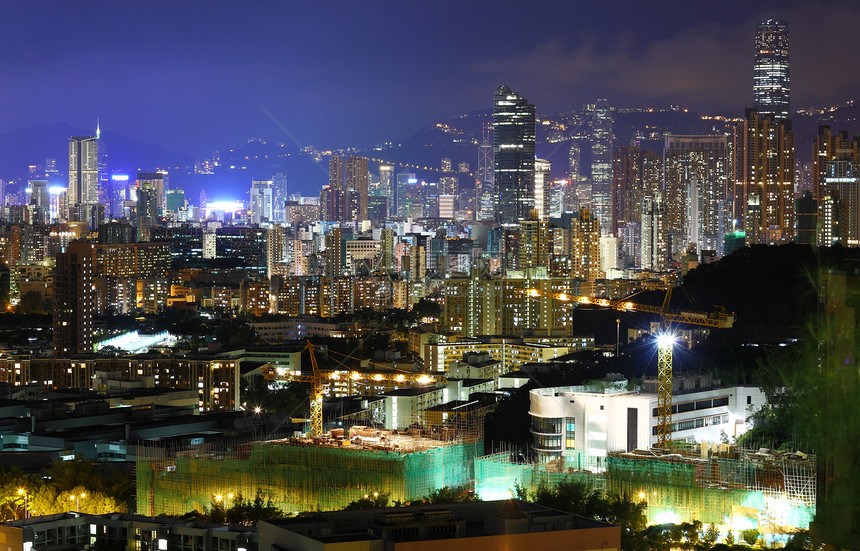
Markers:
319,473
771,491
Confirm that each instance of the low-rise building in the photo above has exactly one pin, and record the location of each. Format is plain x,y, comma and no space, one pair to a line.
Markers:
124,532
512,525
599,418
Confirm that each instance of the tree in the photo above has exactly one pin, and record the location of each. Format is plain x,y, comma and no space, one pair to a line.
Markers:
31,302
750,535
449,495
425,308
575,497
369,501
730,538
802,540
711,534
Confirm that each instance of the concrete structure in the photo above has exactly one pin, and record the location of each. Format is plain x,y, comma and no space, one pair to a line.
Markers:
74,300
511,352
600,418
511,525
124,532
763,164
307,474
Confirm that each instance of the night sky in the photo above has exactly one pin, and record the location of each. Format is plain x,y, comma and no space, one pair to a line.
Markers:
198,76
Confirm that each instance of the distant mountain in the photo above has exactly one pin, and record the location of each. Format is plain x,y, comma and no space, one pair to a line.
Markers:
254,160
32,145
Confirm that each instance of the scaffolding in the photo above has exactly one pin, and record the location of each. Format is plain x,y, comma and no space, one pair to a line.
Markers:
304,474
771,491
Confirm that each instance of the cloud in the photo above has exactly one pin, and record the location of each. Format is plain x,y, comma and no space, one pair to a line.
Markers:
703,65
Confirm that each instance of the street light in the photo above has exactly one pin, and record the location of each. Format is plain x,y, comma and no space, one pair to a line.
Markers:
23,492
77,498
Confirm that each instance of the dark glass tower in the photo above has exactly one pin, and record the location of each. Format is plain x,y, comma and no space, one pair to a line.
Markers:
513,156
771,79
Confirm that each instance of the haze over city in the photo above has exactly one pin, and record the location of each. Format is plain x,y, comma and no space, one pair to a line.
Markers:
199,76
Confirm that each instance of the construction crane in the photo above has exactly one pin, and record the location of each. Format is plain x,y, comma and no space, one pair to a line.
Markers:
318,389
321,382
665,343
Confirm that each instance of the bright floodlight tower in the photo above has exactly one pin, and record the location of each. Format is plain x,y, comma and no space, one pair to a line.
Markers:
665,343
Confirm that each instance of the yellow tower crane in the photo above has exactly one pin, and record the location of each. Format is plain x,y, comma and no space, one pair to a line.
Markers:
321,381
318,389
665,343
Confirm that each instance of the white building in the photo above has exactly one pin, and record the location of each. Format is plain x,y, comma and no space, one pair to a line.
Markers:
404,406
605,417
261,202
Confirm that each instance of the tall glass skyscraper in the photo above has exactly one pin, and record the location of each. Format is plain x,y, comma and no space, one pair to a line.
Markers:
83,191
771,79
601,164
513,156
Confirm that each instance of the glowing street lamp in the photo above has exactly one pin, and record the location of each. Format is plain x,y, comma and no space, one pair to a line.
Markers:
77,499
23,492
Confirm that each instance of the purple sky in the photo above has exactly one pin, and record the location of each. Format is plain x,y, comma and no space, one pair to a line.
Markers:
196,76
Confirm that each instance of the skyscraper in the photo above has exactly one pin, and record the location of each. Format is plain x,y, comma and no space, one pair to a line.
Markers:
279,195
695,184
348,178
771,79
262,198
627,187
74,300
585,247
513,156
150,194
83,192
543,181
601,164
763,164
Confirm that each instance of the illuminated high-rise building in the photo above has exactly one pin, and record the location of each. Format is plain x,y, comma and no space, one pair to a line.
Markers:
262,199
174,202
74,300
763,183
771,78
348,179
696,182
840,203
448,183
150,193
601,164
279,195
826,148
654,250
534,246
386,182
585,247
627,186
543,184
83,192
402,181
513,156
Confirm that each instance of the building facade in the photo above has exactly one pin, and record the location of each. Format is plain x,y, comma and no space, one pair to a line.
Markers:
513,156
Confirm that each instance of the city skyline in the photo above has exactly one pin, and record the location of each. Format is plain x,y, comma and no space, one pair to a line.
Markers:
190,77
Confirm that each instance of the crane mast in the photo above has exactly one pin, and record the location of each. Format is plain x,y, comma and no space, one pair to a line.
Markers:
665,343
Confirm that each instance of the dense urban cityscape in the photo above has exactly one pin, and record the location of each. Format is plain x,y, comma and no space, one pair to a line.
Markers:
609,327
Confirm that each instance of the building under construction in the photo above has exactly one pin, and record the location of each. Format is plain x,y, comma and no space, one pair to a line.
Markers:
771,491
306,474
